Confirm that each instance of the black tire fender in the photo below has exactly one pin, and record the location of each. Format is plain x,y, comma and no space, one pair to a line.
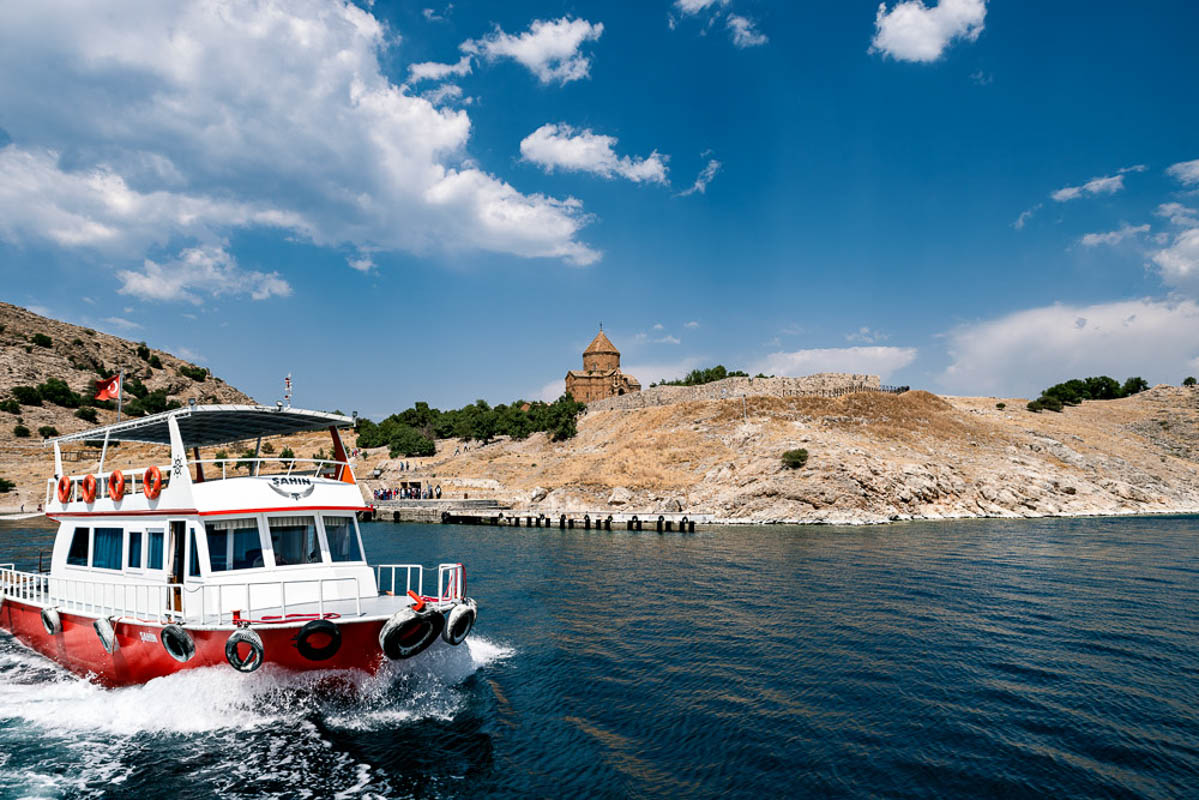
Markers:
459,621
51,621
178,643
409,632
250,639
321,627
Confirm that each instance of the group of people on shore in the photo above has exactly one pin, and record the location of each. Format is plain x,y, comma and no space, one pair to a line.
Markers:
409,493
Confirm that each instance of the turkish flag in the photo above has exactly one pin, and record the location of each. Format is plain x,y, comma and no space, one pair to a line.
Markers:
108,389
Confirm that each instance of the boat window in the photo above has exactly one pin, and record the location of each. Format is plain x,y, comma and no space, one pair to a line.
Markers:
294,540
154,551
135,550
106,548
77,555
193,559
233,544
342,539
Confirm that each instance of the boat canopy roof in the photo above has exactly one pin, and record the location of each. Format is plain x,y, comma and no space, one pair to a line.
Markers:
201,426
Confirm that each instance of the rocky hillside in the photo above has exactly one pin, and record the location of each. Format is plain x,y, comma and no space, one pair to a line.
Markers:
872,457
34,350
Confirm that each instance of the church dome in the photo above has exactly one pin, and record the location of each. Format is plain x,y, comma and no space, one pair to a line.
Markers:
601,344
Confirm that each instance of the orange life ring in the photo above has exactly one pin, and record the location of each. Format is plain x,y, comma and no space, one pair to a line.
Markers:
152,483
89,488
64,489
116,485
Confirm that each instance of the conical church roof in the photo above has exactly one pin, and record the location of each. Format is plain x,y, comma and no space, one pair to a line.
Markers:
601,344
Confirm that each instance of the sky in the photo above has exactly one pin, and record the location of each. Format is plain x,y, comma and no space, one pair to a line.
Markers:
410,201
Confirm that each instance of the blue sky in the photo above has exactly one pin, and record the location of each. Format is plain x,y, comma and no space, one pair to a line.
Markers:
398,202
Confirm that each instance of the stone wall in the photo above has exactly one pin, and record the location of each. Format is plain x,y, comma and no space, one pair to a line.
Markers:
818,384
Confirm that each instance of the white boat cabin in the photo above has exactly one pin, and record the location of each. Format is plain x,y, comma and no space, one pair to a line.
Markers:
211,540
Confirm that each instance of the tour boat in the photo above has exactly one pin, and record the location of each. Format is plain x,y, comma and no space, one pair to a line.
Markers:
196,563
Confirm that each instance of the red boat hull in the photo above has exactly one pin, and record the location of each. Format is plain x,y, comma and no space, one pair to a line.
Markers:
141,657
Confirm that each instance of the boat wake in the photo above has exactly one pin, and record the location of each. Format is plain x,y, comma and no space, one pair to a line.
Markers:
275,730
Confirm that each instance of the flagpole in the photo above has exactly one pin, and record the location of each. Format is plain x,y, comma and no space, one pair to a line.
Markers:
120,392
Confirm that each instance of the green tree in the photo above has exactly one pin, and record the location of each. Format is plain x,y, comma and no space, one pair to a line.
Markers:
10,405
1135,386
56,391
6,486
41,340
87,415
47,431
143,352
408,442
21,432
197,374
1188,382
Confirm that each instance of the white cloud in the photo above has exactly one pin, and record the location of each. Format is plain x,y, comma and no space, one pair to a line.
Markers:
981,78
911,31
1025,216
658,326
876,360
696,6
866,336
702,180
744,32
363,262
1178,214
549,49
445,93
1185,172
121,322
1023,352
433,15
1107,185
173,125
668,339
1179,263
1113,237
190,355
563,147
691,324
208,270
434,71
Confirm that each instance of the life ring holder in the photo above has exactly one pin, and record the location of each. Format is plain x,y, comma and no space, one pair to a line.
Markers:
152,482
88,488
64,490
116,485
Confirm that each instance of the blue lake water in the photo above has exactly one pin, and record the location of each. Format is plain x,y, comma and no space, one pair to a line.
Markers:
1054,658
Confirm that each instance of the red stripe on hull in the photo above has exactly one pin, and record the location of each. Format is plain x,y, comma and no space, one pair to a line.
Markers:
141,657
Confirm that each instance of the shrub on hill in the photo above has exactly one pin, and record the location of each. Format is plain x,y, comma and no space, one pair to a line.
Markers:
1135,386
698,377
47,431
41,340
197,374
10,405
1001,406
794,459
87,414
6,486
56,391
1188,381
154,402
477,421
155,362
27,395
143,351
21,432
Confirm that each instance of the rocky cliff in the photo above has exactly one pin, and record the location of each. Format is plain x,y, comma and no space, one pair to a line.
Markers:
873,457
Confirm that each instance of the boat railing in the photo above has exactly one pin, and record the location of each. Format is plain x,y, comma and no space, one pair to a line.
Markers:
451,580
134,483
254,465
261,602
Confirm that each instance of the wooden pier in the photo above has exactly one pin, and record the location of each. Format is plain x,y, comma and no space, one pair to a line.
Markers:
660,523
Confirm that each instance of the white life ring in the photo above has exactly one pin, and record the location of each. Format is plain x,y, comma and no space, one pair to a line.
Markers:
459,622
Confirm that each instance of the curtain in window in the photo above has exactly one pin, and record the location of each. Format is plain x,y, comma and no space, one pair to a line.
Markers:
343,541
154,551
77,555
106,548
135,549
294,540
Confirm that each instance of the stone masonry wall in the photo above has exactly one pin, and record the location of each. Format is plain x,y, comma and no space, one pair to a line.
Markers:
820,383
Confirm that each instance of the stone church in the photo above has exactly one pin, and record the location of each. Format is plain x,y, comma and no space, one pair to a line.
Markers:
600,376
